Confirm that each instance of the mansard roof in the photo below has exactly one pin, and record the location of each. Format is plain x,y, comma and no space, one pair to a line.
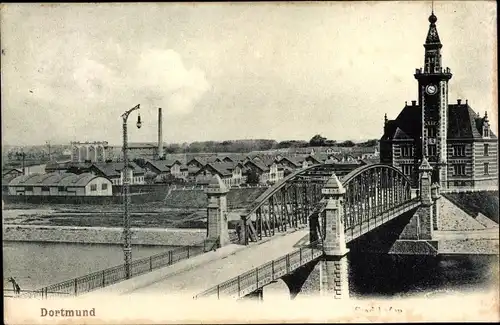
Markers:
463,122
409,123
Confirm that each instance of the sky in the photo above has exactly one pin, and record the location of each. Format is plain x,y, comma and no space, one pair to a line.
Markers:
223,71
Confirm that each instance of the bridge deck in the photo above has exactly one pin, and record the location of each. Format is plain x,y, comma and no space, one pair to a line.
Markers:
208,273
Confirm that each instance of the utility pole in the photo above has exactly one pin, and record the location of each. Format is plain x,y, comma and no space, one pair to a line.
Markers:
48,144
127,236
24,158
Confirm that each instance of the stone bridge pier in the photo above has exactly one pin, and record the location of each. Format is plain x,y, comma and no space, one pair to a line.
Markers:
416,238
334,280
217,227
333,266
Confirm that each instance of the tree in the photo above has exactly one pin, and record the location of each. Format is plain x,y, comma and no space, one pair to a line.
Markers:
330,143
369,143
252,177
317,141
347,143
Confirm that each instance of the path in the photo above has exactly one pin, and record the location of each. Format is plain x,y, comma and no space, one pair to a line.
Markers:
190,277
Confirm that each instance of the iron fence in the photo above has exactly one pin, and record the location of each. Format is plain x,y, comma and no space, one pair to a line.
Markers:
254,279
103,278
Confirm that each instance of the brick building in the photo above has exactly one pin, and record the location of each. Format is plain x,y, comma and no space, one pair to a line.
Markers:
457,141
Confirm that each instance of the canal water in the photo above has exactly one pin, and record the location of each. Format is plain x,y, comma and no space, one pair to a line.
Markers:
35,265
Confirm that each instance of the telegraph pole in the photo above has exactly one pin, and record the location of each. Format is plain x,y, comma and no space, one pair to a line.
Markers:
127,236
48,144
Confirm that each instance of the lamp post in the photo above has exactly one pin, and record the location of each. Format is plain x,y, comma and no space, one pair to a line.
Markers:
127,247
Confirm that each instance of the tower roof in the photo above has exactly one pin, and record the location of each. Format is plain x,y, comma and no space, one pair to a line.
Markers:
333,186
432,34
425,166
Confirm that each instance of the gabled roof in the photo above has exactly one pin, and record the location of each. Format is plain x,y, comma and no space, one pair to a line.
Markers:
295,161
163,165
204,160
257,163
192,170
223,169
171,162
158,165
8,171
113,169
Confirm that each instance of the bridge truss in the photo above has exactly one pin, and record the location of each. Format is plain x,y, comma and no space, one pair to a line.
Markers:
372,191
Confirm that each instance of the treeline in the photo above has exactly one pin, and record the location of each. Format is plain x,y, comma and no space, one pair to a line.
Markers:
224,146
243,146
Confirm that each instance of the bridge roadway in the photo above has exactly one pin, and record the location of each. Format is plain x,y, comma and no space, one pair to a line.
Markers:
190,277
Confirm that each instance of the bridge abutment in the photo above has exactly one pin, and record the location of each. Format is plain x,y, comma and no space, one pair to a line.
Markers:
416,237
217,228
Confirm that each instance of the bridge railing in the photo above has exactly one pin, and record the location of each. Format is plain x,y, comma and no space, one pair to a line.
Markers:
103,278
256,278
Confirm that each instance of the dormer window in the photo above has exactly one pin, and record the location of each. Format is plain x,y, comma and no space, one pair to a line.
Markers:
486,132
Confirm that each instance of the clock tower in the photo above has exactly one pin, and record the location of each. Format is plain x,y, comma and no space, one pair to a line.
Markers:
433,99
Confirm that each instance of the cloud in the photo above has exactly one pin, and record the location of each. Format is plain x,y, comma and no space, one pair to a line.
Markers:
164,80
157,78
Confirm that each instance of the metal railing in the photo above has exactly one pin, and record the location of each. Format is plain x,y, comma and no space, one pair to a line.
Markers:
254,279
103,278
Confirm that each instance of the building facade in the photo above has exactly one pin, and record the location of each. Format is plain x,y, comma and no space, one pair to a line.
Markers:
457,142
114,172
56,184
90,151
231,174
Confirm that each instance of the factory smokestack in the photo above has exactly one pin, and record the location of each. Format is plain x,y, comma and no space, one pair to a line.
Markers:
160,134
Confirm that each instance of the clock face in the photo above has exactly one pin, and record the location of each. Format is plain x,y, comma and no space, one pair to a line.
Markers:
431,89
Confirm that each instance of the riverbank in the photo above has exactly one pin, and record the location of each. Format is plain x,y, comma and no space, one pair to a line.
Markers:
102,235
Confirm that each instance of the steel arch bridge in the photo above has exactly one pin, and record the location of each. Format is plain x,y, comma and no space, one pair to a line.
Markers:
375,194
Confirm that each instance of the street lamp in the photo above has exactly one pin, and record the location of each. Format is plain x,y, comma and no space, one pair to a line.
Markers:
127,247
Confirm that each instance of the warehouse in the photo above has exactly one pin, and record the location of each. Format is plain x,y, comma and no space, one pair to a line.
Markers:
55,184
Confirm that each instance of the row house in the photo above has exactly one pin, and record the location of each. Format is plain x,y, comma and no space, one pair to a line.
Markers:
290,164
114,172
268,170
230,173
365,152
172,167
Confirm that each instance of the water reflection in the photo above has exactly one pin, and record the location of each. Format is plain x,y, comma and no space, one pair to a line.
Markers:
378,275
35,265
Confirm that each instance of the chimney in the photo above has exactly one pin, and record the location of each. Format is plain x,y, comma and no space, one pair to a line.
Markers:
413,102
160,134
459,101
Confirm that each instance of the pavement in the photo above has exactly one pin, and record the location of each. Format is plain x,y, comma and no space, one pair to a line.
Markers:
195,275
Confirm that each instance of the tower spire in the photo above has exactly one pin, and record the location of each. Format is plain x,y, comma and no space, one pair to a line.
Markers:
432,34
